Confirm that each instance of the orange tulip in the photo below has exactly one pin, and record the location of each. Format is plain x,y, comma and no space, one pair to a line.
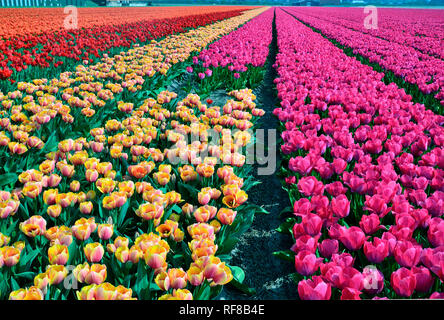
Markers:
33,293
56,274
226,216
17,148
91,175
201,230
81,232
135,254
54,210
122,254
97,274
34,226
180,294
162,178
41,281
49,196
205,213
155,256
32,189
178,278
74,186
195,275
163,281
94,252
86,207
167,228
105,231
149,211
10,256
138,171
105,185
58,254
204,197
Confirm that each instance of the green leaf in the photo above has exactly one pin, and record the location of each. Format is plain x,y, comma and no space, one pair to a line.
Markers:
286,210
228,245
27,275
204,294
141,280
57,294
191,190
72,249
50,144
122,213
287,255
15,286
243,221
8,179
242,287
238,273
224,257
29,258
154,287
287,226
215,291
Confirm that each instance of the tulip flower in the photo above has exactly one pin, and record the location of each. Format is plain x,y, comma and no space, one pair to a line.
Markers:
105,231
96,275
56,274
424,279
314,289
86,207
373,280
10,256
33,293
407,254
155,256
328,247
306,263
403,282
58,254
94,252
54,210
353,238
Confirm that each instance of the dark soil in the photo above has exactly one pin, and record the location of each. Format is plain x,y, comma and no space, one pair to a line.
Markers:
254,251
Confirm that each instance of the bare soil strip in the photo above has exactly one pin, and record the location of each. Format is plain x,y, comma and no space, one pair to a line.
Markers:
253,253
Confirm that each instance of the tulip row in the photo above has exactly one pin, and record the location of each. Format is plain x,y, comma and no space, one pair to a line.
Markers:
415,68
238,56
28,56
395,25
130,208
92,92
364,172
21,21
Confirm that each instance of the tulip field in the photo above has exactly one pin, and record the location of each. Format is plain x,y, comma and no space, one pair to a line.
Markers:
128,152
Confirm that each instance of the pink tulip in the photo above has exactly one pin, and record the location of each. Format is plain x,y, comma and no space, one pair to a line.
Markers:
314,289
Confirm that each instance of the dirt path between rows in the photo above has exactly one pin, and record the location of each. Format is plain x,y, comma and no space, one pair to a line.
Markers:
253,253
